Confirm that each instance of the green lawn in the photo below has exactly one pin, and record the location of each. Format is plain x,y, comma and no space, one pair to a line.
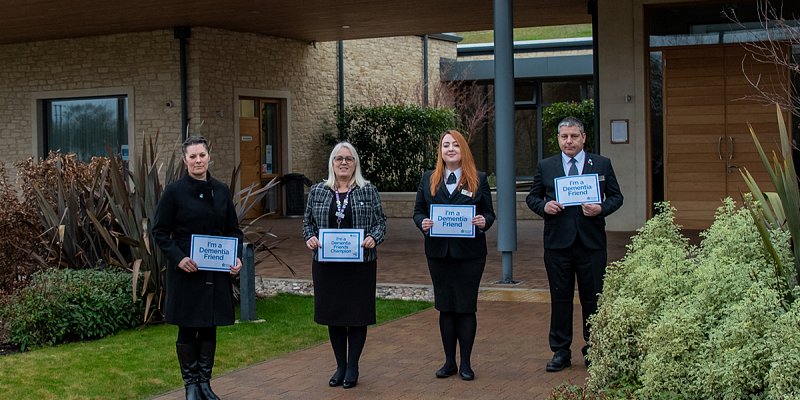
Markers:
537,33
140,363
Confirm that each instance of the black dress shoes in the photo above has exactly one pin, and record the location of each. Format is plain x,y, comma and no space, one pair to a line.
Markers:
467,373
444,372
337,379
350,384
561,360
350,378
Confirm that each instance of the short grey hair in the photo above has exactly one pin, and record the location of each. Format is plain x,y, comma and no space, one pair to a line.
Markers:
331,181
571,121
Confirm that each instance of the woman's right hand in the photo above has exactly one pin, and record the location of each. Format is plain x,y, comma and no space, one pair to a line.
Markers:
187,265
313,243
427,224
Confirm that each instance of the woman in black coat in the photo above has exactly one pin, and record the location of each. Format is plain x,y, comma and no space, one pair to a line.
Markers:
197,300
455,263
344,292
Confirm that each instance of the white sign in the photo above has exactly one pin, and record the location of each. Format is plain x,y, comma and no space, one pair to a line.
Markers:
578,189
341,245
452,220
214,253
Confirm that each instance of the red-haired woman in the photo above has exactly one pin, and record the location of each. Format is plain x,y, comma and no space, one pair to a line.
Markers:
455,263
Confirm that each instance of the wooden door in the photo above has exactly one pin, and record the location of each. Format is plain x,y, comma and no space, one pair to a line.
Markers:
250,149
743,109
694,128
707,105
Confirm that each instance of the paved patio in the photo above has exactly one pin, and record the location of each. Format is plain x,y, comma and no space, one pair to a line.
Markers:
400,357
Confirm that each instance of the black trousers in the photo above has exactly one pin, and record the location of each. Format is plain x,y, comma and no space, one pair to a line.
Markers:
563,266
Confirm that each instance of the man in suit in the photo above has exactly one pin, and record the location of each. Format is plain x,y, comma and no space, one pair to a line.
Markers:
574,236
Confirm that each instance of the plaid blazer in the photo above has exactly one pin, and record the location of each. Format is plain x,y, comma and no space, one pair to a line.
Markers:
367,214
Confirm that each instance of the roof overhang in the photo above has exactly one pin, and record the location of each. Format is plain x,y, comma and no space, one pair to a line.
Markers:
309,20
570,66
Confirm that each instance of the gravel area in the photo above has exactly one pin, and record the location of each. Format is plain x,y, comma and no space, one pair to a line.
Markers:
271,287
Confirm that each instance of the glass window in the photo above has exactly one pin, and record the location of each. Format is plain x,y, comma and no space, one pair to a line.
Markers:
247,108
553,92
87,126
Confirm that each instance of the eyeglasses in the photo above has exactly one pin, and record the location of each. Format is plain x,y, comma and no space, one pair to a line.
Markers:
340,159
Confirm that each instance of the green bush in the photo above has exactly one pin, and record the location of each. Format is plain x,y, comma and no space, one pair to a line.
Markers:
679,321
554,113
66,305
396,143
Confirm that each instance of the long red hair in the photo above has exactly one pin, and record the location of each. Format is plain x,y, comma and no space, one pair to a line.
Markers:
469,174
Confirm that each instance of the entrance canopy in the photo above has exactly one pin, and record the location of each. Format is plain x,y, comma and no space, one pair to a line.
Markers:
310,20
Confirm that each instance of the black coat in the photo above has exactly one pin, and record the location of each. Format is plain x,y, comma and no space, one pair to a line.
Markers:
189,206
560,229
438,247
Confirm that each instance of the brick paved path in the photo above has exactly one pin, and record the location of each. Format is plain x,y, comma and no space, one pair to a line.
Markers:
400,357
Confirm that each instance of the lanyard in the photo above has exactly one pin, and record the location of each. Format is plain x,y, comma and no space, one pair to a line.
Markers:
341,205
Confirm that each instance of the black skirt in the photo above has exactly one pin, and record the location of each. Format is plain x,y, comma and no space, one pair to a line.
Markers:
456,282
344,293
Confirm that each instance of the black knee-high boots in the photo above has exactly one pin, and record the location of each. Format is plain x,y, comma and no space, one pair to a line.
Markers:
187,359
197,361
205,364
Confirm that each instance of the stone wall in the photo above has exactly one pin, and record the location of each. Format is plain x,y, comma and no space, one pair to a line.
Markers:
145,66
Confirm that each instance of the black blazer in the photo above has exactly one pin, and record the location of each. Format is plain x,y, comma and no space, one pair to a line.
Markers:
438,247
560,229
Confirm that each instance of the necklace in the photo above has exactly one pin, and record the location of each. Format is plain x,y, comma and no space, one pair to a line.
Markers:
341,205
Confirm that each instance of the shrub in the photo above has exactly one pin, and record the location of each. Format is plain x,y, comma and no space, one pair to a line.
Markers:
554,113
396,143
677,321
18,230
65,305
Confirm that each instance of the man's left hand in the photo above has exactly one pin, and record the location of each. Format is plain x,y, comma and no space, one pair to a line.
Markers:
591,210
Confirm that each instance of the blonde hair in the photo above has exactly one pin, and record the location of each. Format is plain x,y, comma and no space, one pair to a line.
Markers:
357,177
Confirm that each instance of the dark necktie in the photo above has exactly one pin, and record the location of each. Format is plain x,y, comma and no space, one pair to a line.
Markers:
573,170
451,180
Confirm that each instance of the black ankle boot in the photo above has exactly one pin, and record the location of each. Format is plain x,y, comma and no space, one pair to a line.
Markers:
205,363
187,359
350,377
338,377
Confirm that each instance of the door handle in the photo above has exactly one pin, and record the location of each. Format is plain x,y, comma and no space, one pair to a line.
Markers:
719,147
730,152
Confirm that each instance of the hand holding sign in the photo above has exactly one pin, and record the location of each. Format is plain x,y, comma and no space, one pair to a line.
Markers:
341,245
213,253
577,189
453,220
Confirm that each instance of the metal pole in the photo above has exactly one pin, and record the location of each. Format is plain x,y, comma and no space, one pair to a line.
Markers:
183,33
247,284
340,74
504,130
595,74
425,78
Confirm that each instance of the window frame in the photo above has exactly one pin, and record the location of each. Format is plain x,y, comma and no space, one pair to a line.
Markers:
39,113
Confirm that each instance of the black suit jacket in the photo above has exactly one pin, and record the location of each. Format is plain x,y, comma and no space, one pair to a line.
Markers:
560,229
438,247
